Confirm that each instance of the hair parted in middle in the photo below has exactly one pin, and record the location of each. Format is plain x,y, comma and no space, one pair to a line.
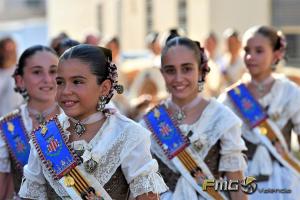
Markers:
99,60
195,46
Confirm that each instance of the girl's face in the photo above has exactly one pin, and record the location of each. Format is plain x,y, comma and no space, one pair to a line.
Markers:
39,75
77,88
181,73
259,56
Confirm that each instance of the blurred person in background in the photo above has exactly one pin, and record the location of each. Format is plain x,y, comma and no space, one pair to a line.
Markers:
92,38
268,139
153,44
54,44
211,47
8,57
65,44
232,65
35,81
213,79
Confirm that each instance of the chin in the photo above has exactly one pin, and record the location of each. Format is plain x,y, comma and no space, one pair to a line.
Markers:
181,96
71,113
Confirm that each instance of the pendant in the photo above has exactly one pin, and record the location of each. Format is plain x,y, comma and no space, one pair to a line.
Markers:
261,89
90,165
179,116
197,145
79,129
40,118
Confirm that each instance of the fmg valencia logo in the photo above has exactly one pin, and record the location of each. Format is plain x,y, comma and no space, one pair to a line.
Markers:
248,185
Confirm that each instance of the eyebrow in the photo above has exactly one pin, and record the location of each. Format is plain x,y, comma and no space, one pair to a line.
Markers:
53,66
36,67
168,66
186,64
72,77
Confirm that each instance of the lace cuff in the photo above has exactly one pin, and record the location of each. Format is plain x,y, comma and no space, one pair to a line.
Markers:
232,162
5,165
296,129
32,190
150,183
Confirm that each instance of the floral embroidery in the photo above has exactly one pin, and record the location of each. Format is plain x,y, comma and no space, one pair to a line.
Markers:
32,190
148,183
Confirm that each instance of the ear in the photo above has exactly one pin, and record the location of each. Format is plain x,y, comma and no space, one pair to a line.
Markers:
105,87
277,56
19,81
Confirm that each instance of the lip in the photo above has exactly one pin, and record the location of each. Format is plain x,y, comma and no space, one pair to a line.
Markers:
68,103
46,88
179,87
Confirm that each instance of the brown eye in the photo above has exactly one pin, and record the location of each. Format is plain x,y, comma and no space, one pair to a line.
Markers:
169,70
54,71
59,82
37,72
76,82
187,69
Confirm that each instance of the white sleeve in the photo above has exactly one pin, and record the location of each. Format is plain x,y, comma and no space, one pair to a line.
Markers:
140,169
294,108
232,145
33,184
4,157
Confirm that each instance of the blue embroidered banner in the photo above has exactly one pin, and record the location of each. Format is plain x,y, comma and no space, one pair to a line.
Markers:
165,131
53,149
15,137
247,105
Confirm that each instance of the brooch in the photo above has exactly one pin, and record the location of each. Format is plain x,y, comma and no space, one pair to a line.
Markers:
90,161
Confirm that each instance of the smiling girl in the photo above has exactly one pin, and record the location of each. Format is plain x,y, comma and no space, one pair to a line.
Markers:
212,130
35,79
115,151
279,99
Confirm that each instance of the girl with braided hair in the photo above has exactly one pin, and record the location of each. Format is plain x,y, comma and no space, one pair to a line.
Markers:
279,99
213,131
114,151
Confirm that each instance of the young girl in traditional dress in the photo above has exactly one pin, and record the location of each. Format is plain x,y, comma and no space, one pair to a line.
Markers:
115,151
212,129
35,79
279,98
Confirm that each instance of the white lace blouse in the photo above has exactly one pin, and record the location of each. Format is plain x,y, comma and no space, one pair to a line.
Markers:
283,102
217,122
5,162
119,142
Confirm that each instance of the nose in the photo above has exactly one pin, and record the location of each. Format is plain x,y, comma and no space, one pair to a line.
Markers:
178,76
65,90
48,78
249,56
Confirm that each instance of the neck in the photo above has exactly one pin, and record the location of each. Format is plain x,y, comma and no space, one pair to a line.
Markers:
40,106
89,119
261,77
80,126
183,103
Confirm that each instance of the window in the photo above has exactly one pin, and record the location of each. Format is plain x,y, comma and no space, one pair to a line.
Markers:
182,17
35,3
293,49
100,18
285,16
149,14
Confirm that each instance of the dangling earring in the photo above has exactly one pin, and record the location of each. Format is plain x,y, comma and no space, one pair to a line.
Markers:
24,94
273,66
200,86
119,89
101,103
